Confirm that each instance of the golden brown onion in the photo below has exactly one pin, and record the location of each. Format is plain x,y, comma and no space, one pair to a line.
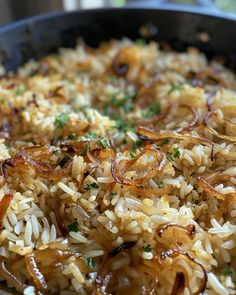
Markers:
10,277
151,134
38,277
4,204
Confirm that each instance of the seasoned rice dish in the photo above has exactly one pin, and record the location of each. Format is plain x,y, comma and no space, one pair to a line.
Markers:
118,173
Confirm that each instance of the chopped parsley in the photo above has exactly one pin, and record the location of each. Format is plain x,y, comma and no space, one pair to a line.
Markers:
227,271
73,226
165,141
169,157
104,143
20,89
161,184
61,120
125,101
175,87
74,136
64,160
122,125
176,152
132,154
112,194
153,110
140,42
90,262
89,186
91,135
147,248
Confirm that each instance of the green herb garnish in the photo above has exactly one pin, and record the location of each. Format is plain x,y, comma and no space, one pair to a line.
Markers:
132,154
147,248
20,89
112,194
175,87
74,136
104,143
140,42
161,184
227,271
64,160
73,226
176,152
165,141
61,120
153,110
91,135
90,262
89,186
169,157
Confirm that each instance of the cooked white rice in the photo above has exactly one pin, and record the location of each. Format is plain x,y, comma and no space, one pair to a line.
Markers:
108,185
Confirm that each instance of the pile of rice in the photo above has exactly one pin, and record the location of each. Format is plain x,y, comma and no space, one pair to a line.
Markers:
118,173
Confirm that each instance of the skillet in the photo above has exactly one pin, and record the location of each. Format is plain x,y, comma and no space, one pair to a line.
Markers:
213,33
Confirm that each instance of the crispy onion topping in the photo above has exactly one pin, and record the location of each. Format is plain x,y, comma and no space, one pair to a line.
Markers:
10,277
207,186
175,233
105,274
174,254
42,168
179,284
153,135
4,204
227,121
121,164
60,219
38,277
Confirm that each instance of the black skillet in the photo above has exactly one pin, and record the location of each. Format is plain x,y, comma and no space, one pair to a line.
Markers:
35,37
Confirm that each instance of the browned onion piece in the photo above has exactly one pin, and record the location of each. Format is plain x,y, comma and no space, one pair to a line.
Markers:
4,204
214,132
118,173
194,121
120,63
124,246
174,253
10,277
151,134
206,185
42,169
104,275
38,277
54,254
59,218
150,192
189,230
211,73
179,284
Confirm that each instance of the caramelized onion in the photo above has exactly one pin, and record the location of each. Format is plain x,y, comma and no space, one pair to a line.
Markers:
10,277
124,246
193,123
59,218
54,254
118,172
4,204
216,133
174,253
122,61
179,284
38,277
104,275
189,230
43,169
151,134
207,185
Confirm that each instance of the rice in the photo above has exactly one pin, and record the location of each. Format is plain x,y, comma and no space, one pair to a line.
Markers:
118,173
